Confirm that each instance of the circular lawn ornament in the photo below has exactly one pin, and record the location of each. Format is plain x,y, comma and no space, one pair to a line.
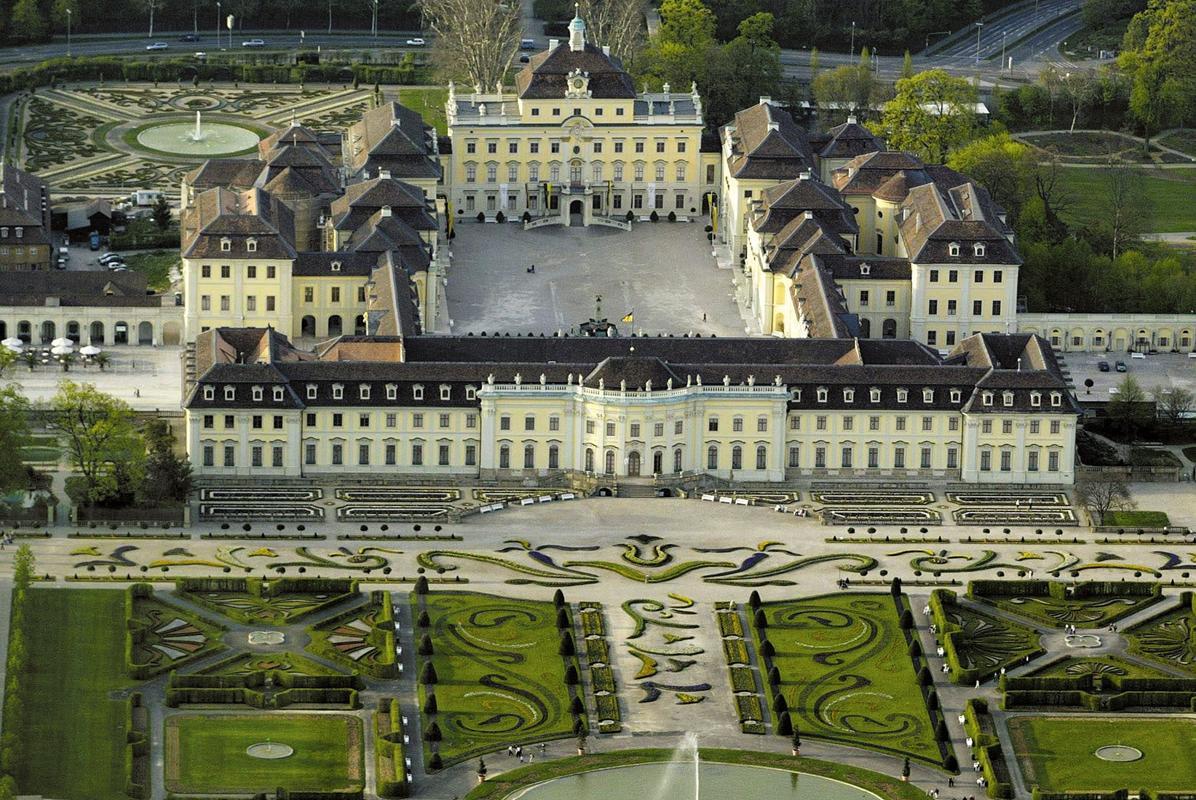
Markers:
266,637
269,750
1118,752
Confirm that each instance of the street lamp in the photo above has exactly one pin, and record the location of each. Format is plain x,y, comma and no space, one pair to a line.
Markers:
1003,48
218,18
979,25
374,25
853,38
68,33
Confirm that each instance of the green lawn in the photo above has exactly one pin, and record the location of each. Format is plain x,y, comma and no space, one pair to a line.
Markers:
847,675
1169,638
73,731
155,264
1056,753
1183,140
206,753
1172,195
500,679
1138,519
40,454
429,102
988,643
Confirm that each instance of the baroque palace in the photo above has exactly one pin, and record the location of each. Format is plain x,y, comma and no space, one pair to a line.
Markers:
888,286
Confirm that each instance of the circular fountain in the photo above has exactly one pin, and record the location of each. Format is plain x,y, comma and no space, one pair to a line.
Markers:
1118,752
269,750
266,637
207,139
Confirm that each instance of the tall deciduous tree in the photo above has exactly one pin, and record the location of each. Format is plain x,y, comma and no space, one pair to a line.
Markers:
738,73
1103,494
1173,404
1005,167
167,479
476,40
1157,52
679,54
1126,205
14,433
99,435
28,24
58,14
1129,409
24,568
161,212
931,114
152,7
618,24
1080,88
850,88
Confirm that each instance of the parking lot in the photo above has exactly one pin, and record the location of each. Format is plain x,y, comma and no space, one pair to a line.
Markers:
1165,369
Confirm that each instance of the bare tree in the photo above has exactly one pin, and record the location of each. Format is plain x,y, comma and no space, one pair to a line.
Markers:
1079,88
618,24
1126,204
476,39
151,6
1103,494
1173,404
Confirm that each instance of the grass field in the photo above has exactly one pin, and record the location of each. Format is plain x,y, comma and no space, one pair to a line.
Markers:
1056,753
73,732
847,675
1140,519
206,753
500,679
1172,196
1183,139
155,265
429,102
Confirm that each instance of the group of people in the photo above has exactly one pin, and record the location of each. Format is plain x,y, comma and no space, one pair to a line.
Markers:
516,750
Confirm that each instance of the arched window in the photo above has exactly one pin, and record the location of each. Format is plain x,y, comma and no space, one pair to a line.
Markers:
610,462
889,329
96,333
761,457
736,457
589,459
677,460
554,457
865,328
529,456
334,325
504,457
658,462
712,457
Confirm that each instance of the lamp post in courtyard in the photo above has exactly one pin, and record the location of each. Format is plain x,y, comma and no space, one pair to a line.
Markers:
68,33
218,17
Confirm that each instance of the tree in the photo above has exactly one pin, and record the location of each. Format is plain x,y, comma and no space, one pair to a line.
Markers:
1156,52
739,72
851,88
907,66
1173,404
931,114
153,5
1080,89
1128,411
28,23
1102,494
167,479
161,212
618,24
476,40
58,14
680,53
14,432
1005,167
24,568
1127,207
100,437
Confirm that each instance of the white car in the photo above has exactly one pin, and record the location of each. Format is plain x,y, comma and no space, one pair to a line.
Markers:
254,43
157,46
416,42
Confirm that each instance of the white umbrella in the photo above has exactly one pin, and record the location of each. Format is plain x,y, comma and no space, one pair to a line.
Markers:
61,342
62,351
12,341
90,350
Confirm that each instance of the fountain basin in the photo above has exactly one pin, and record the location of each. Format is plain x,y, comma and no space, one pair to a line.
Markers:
266,637
269,750
674,780
178,139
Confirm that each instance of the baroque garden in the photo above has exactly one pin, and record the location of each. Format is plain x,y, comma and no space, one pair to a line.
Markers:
401,575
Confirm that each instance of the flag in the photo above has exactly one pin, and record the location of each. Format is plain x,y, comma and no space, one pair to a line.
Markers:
629,317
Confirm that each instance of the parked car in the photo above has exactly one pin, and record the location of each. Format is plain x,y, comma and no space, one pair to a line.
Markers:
93,241
201,55
524,58
1121,367
1103,366
189,37
416,42
108,258
527,44
157,46
254,43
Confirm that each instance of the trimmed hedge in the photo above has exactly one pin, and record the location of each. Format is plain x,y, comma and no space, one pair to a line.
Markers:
382,636
941,601
192,689
1099,692
978,724
389,757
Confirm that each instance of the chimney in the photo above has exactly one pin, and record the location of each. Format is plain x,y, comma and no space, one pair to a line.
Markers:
851,119
765,99
386,211
808,214
553,44
804,175
383,173
606,50
773,125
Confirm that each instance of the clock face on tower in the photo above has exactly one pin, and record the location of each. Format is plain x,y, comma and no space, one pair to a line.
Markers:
578,84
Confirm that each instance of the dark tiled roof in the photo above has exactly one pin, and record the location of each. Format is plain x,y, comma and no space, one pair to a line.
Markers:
392,137
229,173
544,77
846,141
767,143
933,220
782,203
636,371
220,215
87,288
878,268
320,263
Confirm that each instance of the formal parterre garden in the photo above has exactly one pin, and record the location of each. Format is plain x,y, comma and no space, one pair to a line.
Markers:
1057,604
1168,639
845,672
494,671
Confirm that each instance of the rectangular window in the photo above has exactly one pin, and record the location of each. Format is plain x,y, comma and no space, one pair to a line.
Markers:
504,423
255,455
658,430
205,271
635,430
417,420
933,309
471,455
1006,426
678,427
986,460
230,459
471,420
977,308
1053,461
442,455
898,458
820,423
251,303
900,423
276,456
848,423
390,454
529,423
277,422
338,454
257,422
209,455
1006,460
391,420
229,421
417,454
927,424
225,271
986,426
737,425
873,457
820,458
309,454
1032,461
363,454
845,461
309,294
712,424
1055,427
925,458
224,302
952,458
444,420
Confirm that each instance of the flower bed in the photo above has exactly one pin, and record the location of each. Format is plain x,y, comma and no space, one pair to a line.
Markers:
1030,499
880,516
878,498
413,494
261,495
240,512
397,512
997,516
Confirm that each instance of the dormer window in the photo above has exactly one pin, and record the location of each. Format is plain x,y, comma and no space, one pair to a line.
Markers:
417,392
3,233
986,398
1007,399
312,389
874,395
278,393
1056,399
336,266
928,395
230,392
821,394
392,391
20,232
953,249
1035,399
956,396
865,269
338,391
849,395
902,395
363,391
209,393
257,393
978,249
251,245
446,391
226,245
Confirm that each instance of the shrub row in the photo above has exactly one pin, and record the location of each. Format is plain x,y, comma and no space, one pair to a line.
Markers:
136,750
597,651
729,624
1100,692
736,651
592,623
389,757
382,637
742,679
250,697
602,678
978,725
950,635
